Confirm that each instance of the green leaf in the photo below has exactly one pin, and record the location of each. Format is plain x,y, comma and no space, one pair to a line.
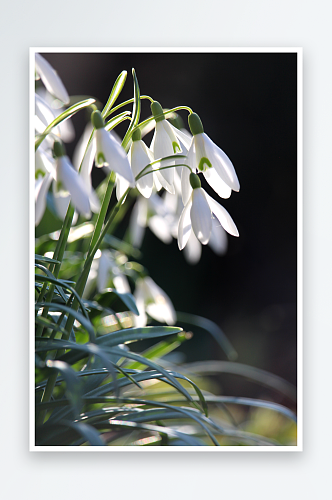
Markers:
114,122
119,302
66,114
44,344
136,334
151,364
42,258
78,316
88,432
261,376
212,328
116,90
73,388
61,284
164,431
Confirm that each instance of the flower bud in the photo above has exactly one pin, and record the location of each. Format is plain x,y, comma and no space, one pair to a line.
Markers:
195,124
59,149
137,136
157,111
195,181
97,120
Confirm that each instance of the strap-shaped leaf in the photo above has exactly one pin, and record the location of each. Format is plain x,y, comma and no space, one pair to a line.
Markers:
78,316
115,92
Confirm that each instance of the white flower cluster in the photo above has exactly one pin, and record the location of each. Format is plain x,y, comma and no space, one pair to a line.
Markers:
172,162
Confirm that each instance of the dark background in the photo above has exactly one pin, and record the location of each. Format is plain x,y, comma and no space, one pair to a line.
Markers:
248,106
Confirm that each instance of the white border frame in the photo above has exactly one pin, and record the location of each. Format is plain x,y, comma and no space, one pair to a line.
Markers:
299,446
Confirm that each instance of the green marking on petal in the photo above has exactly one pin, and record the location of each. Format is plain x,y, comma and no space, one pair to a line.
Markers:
100,159
38,173
176,147
204,161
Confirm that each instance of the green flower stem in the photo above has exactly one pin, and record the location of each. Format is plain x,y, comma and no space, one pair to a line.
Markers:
130,101
103,210
165,113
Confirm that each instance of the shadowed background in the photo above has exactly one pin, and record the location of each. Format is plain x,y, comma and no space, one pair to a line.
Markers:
247,103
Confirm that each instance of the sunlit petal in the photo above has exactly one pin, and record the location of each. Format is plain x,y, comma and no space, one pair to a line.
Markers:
42,187
201,216
193,249
184,227
74,184
217,184
218,239
221,163
50,79
223,216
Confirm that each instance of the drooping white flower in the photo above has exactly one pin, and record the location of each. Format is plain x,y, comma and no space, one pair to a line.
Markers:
164,143
50,79
109,151
206,157
139,157
151,299
69,184
197,215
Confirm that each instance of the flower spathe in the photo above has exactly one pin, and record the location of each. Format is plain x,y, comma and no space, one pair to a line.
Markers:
197,215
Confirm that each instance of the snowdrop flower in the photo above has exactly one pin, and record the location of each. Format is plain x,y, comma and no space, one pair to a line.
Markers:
71,180
218,242
164,143
206,157
152,299
109,151
66,176
139,157
50,79
152,213
197,214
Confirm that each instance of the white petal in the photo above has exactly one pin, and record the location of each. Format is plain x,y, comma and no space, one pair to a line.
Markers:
114,154
218,240
184,137
137,223
161,179
44,112
223,216
186,188
44,162
193,249
184,226
201,216
160,228
121,284
74,184
222,164
104,268
217,184
139,159
42,188
50,79
61,201
161,308
139,295
121,187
